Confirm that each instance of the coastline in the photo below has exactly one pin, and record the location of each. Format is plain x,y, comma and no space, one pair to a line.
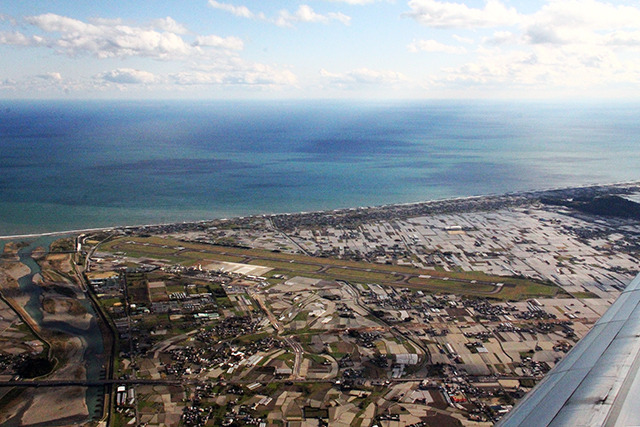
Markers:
599,189
509,205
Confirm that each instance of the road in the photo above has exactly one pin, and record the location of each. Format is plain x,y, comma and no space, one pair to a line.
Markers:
194,381
295,346
351,290
293,242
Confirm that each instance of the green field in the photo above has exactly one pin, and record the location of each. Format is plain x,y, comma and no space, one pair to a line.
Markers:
441,285
586,294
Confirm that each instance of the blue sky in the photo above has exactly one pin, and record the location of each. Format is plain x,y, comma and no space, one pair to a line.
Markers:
354,49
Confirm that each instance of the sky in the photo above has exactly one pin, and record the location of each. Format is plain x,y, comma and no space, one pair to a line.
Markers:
344,49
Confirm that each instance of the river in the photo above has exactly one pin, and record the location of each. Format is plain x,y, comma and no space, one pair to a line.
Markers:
91,338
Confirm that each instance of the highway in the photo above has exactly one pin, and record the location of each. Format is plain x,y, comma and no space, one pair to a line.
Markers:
194,381
87,383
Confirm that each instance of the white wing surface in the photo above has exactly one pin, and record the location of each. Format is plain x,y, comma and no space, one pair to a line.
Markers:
597,383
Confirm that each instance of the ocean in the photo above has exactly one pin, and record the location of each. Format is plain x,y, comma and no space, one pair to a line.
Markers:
81,164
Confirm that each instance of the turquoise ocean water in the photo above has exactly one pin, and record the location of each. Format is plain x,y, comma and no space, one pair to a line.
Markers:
80,164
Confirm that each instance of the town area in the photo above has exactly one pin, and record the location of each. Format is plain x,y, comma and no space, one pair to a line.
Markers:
436,314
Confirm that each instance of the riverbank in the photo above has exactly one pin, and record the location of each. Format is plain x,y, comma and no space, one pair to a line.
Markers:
53,303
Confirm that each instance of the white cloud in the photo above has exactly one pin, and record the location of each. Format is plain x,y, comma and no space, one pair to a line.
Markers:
265,75
43,83
306,14
285,18
544,67
18,39
564,44
112,39
170,25
629,39
539,34
109,40
356,2
197,78
440,14
9,19
549,43
236,74
564,16
465,40
232,43
580,22
105,21
226,73
434,46
364,76
205,59
51,76
8,84
127,76
241,11
502,37
51,22
590,14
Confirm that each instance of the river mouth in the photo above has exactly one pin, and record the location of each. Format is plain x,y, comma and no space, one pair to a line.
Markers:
90,338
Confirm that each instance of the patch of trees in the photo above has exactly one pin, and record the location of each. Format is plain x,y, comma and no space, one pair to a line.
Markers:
610,205
34,367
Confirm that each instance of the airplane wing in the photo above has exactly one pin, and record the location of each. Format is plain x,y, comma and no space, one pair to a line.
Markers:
597,383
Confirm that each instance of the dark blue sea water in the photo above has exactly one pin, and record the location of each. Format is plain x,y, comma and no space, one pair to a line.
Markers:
69,165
